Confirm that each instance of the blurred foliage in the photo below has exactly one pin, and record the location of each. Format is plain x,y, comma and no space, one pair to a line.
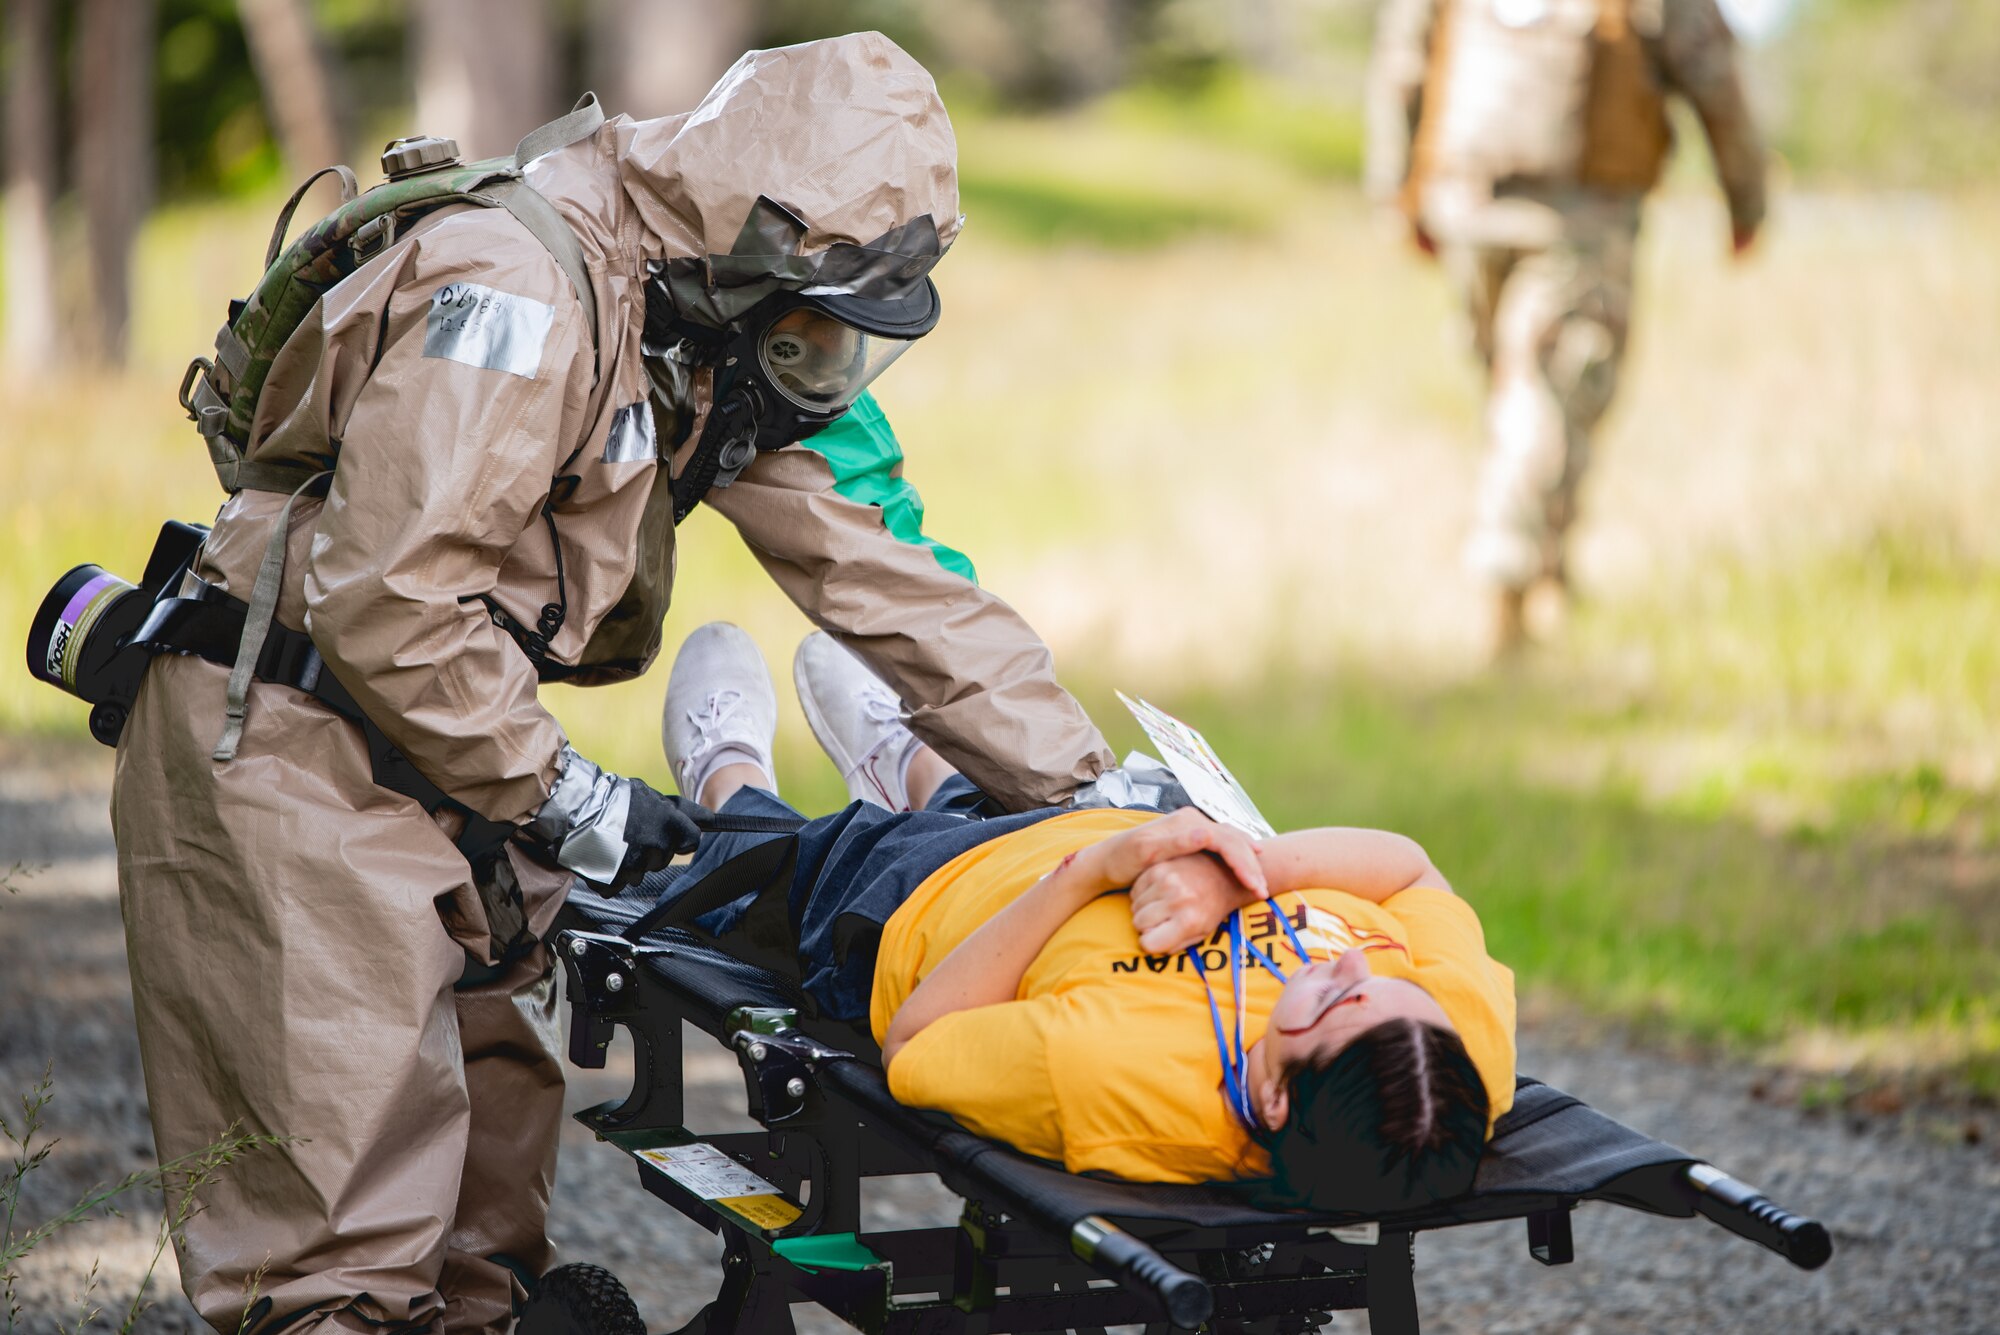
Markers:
902,21
1046,210
1889,92
213,136
1870,91
212,133
1122,174
1236,108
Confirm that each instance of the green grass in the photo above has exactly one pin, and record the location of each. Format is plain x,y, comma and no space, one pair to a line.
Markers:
1221,455
1224,153
1691,924
1045,212
1118,175
1316,132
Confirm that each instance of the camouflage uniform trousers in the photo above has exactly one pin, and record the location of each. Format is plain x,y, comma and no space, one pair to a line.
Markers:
1549,322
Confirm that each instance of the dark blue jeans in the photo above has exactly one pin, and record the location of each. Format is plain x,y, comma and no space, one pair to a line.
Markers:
853,870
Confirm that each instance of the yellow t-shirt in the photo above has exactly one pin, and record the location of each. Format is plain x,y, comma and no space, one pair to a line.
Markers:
1106,1061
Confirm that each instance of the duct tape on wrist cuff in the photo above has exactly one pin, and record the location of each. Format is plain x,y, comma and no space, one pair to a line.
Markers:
584,818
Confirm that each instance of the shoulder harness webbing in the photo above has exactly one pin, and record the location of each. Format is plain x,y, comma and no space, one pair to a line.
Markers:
221,394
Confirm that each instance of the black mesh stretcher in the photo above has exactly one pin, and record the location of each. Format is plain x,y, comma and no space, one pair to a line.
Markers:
1037,1248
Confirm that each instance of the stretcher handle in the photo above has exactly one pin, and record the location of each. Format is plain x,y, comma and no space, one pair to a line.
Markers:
1749,1213
1118,1255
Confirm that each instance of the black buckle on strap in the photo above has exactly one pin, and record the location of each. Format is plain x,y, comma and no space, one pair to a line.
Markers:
290,659
208,623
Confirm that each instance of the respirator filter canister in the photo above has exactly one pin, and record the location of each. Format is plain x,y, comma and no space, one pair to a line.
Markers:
60,649
81,639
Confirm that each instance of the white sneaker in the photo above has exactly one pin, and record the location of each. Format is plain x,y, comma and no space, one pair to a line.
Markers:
721,707
858,721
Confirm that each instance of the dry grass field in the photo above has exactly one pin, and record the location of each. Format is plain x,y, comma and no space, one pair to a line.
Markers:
1221,454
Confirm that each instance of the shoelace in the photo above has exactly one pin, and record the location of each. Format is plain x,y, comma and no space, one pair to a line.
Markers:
882,707
707,721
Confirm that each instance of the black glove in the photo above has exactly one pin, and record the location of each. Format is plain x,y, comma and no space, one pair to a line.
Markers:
609,829
658,828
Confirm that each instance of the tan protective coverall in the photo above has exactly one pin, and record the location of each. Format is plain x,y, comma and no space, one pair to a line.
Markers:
309,956
1523,149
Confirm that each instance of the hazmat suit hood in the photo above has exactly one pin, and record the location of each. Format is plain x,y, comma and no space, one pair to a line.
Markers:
827,168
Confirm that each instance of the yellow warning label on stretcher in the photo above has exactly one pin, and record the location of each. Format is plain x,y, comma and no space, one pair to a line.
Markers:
767,1212
718,1179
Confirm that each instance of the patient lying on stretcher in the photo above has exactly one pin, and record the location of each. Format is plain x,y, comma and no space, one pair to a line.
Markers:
1062,980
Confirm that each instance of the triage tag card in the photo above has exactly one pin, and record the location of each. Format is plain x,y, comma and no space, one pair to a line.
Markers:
1194,762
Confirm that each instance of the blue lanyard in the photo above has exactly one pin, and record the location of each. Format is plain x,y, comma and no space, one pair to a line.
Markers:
1236,1062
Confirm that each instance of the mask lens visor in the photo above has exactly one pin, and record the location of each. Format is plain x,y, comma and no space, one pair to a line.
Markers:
821,364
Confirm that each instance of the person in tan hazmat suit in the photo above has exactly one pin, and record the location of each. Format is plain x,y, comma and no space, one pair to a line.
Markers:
311,956
1518,138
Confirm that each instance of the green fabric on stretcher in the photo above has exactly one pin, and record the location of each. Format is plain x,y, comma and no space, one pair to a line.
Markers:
828,1251
867,465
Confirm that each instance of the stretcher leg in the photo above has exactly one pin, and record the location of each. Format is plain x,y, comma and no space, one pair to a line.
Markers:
1549,1237
749,1303
1392,1285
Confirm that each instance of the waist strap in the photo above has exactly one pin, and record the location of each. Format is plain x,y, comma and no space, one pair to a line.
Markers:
208,623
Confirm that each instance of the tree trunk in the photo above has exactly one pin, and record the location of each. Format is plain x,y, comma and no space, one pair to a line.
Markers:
486,71
298,82
114,156
657,57
1052,52
31,186
1086,44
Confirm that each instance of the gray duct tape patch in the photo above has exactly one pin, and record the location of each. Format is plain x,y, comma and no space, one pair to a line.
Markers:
631,439
496,331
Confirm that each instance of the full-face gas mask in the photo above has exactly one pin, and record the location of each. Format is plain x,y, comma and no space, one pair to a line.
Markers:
790,366
791,337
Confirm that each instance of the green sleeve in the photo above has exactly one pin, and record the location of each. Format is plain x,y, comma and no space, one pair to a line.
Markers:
867,467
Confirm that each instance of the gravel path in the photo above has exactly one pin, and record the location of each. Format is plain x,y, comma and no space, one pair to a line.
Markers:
1915,1209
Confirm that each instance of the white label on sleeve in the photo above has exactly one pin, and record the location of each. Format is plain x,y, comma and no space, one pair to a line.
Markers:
496,331
630,439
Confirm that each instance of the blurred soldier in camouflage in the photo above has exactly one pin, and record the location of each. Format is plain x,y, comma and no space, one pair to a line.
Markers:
1519,137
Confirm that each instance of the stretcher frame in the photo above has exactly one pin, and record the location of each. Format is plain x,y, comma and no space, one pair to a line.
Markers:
1037,1249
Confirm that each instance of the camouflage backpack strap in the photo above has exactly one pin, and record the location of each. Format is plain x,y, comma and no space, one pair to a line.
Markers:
539,216
221,394
547,226
200,388
350,190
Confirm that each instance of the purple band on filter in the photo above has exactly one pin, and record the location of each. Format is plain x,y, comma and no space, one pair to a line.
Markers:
83,596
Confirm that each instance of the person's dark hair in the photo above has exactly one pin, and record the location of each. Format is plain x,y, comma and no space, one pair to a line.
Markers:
1396,1120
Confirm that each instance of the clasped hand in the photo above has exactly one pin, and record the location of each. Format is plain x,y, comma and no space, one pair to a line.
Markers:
1186,872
